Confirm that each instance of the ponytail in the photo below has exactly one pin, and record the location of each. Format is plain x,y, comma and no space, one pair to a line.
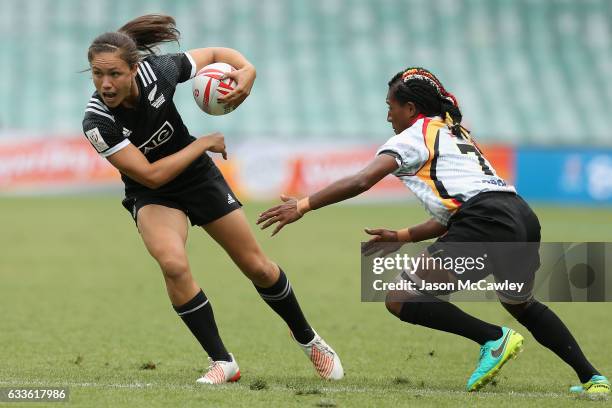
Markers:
139,35
150,30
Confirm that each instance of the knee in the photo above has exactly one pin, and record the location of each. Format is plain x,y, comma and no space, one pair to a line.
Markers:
393,305
517,310
174,265
394,308
260,270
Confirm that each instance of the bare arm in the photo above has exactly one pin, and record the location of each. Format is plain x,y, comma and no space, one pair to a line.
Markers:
244,75
395,239
340,190
424,231
354,185
131,162
417,233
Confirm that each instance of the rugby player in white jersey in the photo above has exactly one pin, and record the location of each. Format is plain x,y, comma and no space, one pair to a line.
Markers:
436,158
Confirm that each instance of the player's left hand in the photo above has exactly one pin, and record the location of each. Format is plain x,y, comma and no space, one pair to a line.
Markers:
244,77
384,241
284,214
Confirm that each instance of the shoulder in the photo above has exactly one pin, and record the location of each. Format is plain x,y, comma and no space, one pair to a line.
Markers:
97,112
414,135
149,68
175,66
408,148
101,129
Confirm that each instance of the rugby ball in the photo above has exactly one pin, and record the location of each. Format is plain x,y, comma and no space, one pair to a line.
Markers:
208,86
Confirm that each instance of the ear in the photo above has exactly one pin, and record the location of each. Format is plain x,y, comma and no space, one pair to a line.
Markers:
411,109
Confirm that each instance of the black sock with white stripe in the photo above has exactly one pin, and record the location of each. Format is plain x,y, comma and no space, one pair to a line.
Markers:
282,300
198,316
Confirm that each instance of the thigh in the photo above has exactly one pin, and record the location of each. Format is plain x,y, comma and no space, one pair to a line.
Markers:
208,199
163,229
233,233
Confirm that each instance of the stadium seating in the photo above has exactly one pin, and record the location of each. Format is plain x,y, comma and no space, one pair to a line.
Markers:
525,71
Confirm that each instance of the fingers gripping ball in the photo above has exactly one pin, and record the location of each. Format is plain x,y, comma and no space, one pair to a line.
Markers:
208,87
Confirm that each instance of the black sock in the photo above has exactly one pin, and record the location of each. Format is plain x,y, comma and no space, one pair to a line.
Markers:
198,316
445,316
550,332
281,299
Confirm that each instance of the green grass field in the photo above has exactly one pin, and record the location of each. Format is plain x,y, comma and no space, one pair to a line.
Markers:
83,306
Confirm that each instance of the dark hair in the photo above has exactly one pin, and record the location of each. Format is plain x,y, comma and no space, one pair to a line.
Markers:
424,89
138,36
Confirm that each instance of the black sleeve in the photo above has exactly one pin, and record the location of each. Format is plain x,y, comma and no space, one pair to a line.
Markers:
102,132
177,68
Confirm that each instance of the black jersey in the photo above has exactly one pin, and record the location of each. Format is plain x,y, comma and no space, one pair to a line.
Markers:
154,125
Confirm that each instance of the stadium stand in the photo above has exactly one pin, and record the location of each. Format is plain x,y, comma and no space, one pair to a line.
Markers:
525,71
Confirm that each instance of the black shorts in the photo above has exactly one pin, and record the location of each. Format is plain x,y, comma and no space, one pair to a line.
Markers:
208,198
502,226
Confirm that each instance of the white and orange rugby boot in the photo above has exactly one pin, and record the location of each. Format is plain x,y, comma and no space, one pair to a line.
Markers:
325,360
220,372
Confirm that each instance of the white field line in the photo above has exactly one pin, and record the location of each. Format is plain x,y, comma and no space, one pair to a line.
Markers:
326,390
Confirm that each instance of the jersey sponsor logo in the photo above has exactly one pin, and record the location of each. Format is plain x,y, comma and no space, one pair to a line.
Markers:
160,137
495,182
96,139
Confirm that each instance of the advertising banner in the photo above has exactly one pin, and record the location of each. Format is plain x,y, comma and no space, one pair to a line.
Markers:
256,169
569,176
43,165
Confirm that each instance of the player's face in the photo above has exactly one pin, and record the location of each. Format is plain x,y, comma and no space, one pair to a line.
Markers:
112,77
400,116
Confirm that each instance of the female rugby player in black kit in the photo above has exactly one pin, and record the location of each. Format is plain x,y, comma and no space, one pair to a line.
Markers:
436,158
132,121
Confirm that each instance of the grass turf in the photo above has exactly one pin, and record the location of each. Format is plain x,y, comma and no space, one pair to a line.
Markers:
84,306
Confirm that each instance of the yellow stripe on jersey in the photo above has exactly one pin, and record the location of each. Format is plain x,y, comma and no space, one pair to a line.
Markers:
430,131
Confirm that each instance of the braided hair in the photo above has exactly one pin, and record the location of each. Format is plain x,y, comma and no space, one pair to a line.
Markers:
424,89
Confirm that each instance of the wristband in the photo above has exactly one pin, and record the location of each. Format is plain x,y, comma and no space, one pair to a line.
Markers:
403,235
303,206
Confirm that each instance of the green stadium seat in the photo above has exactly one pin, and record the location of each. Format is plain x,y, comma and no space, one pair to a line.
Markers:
525,72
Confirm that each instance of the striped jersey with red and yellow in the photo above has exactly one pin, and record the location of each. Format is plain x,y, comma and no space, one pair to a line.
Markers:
442,170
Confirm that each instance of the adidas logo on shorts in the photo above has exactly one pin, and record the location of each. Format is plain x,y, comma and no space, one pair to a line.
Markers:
230,199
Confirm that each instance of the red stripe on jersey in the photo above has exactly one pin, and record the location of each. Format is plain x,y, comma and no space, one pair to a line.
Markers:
456,202
419,116
424,131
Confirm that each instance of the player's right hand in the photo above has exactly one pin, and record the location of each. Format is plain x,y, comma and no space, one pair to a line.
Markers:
282,214
244,77
384,241
215,143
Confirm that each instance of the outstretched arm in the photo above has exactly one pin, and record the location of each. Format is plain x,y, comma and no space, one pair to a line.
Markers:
421,232
341,190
